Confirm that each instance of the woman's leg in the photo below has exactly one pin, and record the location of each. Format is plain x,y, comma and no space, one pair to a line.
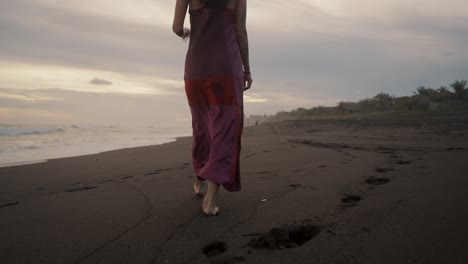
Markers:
209,203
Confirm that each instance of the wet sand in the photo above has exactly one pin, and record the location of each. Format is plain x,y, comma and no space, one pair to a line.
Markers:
328,191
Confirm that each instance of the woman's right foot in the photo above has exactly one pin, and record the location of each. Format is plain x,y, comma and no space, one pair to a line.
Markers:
210,208
211,211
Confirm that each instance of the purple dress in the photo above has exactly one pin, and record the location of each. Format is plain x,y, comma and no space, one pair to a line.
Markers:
214,88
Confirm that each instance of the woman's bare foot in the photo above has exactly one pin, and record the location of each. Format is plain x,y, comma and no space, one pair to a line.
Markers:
197,188
209,207
210,210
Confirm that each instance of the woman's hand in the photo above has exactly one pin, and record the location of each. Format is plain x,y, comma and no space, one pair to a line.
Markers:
247,80
186,33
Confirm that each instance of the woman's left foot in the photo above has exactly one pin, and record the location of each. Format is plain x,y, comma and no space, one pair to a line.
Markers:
197,186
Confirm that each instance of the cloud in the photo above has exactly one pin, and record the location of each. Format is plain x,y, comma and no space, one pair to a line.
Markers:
40,76
83,107
310,52
97,81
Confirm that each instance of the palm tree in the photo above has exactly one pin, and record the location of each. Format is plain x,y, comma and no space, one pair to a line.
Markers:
444,94
429,92
384,101
459,87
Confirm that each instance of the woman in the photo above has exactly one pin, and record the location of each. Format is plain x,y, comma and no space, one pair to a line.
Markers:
217,71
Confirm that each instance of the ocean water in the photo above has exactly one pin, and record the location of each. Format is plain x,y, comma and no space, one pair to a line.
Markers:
24,144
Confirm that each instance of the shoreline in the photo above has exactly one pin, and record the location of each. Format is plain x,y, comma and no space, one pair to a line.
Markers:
28,162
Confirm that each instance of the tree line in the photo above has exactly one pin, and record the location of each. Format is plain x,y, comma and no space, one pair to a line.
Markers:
424,98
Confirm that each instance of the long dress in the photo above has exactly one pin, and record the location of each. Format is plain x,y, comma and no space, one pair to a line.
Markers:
214,88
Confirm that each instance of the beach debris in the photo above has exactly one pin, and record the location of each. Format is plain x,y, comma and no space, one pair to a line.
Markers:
350,198
214,248
264,200
376,180
78,189
9,204
287,236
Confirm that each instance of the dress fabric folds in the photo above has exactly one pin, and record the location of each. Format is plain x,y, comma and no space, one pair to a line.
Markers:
214,89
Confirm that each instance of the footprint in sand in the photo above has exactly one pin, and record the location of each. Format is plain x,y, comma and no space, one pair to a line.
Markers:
298,170
214,248
403,162
265,172
351,198
151,173
287,236
8,204
105,181
377,180
230,260
79,189
454,148
249,155
383,170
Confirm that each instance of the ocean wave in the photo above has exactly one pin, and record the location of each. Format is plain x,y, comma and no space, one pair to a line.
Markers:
17,148
18,131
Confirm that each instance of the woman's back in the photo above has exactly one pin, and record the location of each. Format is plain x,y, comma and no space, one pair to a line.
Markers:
196,4
213,48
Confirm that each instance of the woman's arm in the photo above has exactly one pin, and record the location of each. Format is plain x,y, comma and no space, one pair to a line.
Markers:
241,18
179,18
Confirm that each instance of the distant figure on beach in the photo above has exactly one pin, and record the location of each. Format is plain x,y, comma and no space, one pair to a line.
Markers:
217,72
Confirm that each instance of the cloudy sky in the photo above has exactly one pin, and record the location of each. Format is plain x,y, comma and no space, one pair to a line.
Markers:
118,62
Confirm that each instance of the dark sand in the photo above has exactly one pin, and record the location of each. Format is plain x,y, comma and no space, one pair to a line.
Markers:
374,191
